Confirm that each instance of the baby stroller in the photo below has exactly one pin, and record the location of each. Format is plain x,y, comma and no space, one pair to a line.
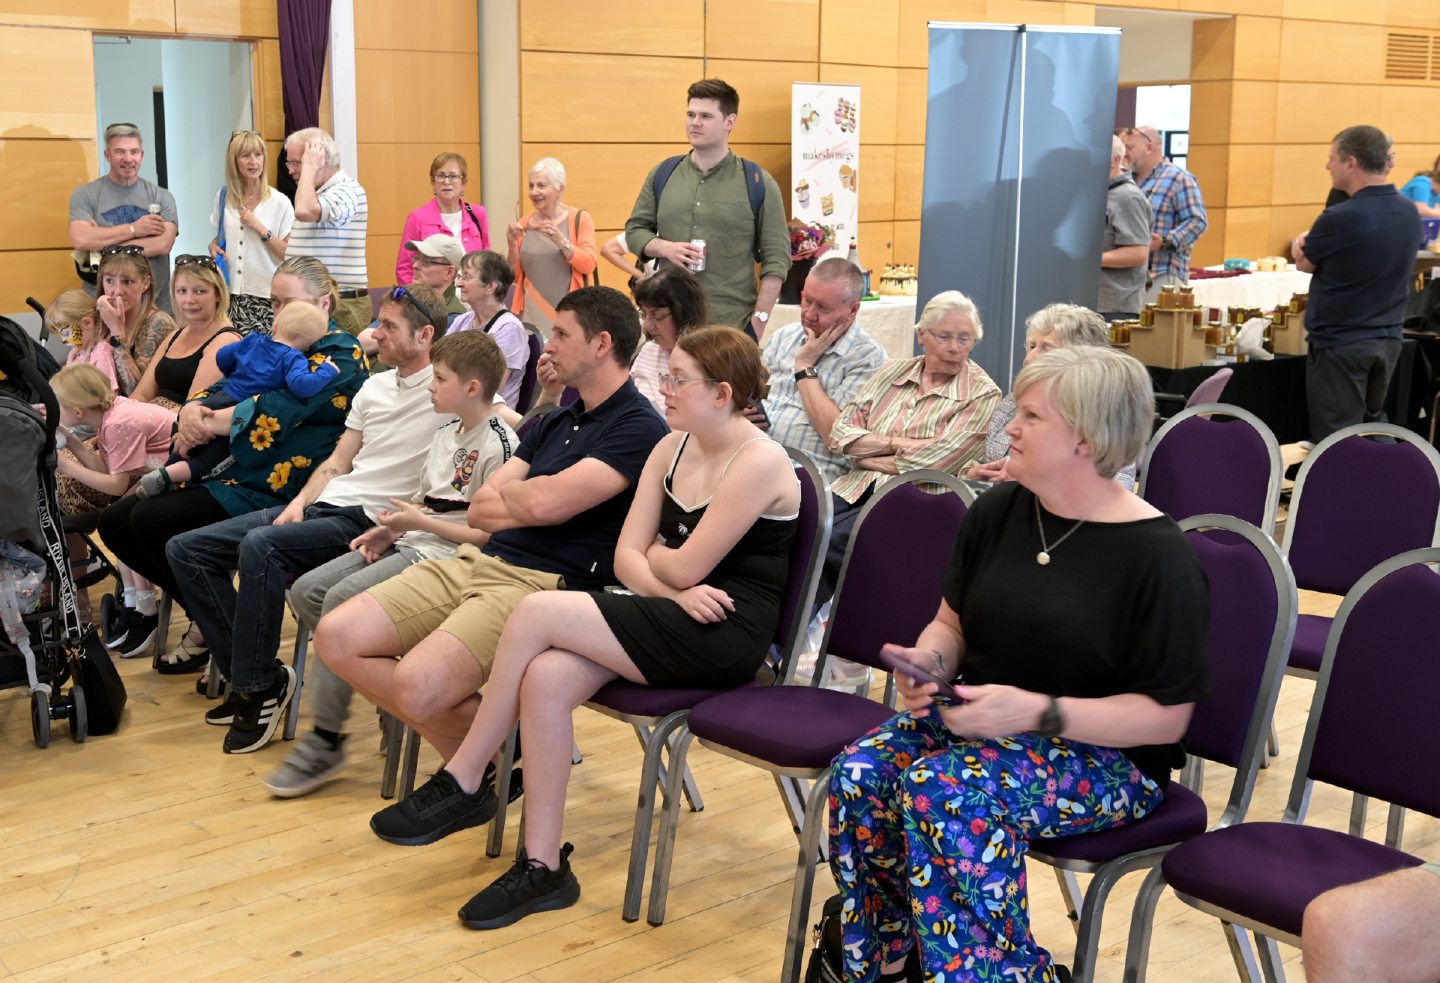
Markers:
43,631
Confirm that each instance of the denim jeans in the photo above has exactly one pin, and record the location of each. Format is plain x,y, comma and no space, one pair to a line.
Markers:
267,558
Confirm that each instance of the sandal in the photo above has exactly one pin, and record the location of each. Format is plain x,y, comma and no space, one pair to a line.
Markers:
187,657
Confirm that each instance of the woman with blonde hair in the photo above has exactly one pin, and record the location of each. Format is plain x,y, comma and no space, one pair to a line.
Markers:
447,213
252,222
132,322
186,362
552,250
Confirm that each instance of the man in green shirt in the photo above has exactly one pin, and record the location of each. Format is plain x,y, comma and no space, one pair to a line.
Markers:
705,197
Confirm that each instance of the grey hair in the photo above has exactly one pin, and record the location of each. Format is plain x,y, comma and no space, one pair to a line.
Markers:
1117,147
1104,395
1367,144
1071,324
551,168
841,269
948,302
332,149
116,131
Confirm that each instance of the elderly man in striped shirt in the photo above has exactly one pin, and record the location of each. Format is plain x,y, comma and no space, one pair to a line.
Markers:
931,411
331,217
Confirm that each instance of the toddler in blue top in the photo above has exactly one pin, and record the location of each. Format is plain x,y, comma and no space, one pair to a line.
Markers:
253,365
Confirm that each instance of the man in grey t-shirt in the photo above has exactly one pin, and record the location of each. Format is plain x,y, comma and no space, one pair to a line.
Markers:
122,208
1126,249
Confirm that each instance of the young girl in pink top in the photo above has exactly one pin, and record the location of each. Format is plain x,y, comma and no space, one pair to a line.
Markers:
131,438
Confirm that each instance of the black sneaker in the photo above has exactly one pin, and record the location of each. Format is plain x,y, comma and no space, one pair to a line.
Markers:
223,715
257,715
114,621
1062,974
527,887
140,636
434,811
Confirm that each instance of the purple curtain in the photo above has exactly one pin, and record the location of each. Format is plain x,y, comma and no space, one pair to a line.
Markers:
304,34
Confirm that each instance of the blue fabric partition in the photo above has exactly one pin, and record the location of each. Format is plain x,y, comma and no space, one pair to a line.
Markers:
1017,158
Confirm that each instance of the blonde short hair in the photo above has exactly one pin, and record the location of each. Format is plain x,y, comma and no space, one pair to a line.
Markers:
1103,395
208,274
66,311
1071,324
83,387
302,322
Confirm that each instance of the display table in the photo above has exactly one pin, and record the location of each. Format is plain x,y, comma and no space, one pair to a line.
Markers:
1275,390
889,320
1263,290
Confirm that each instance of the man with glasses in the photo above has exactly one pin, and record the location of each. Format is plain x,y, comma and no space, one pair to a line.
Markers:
332,215
123,208
1179,211
387,434
819,363
435,261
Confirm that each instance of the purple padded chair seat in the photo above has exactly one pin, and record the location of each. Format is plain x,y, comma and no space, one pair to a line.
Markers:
623,696
790,726
1308,648
1180,816
1271,871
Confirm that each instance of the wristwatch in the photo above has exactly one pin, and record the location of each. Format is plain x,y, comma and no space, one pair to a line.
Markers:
114,341
1051,722
809,373
267,237
762,316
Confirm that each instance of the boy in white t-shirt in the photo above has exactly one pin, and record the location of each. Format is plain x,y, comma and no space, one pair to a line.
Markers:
430,524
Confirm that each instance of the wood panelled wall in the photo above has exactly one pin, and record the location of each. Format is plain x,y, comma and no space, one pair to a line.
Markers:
47,114
603,90
417,73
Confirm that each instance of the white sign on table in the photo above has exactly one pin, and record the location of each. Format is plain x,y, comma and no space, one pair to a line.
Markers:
825,158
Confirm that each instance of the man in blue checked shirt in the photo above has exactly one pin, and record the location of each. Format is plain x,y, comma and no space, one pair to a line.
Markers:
1174,198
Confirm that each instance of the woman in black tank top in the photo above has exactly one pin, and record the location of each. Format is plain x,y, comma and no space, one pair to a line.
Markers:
200,299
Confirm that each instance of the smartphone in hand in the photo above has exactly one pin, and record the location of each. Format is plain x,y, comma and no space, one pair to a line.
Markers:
919,676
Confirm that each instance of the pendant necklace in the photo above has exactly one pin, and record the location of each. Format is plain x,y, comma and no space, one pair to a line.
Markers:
1043,557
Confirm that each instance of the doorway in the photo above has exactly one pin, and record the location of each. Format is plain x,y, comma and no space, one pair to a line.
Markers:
187,97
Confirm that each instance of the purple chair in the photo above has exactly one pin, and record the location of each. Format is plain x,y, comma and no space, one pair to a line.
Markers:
1381,655
528,382
657,713
1197,464
1356,502
1252,619
1210,388
889,591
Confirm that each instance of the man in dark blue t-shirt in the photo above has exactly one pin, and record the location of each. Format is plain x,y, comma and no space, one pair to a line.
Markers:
1361,252
554,513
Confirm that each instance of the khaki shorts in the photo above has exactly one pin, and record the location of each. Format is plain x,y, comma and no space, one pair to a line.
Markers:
470,597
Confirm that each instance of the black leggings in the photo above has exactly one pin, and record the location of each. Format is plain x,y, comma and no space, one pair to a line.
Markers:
137,530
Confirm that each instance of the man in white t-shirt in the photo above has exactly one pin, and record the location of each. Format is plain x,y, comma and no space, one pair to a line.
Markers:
387,435
332,214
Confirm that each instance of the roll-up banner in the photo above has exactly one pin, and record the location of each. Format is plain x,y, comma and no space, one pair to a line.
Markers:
1017,159
825,158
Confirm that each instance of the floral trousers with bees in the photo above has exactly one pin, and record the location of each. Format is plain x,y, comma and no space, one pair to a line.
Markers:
928,834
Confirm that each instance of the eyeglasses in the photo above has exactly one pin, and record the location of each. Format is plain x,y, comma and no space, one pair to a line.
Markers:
188,260
963,340
400,293
422,260
448,176
122,250
674,382
652,315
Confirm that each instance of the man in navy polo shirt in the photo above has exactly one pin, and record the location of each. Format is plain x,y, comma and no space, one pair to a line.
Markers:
554,512
1362,253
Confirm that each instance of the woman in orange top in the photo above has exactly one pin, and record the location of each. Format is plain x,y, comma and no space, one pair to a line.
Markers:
552,249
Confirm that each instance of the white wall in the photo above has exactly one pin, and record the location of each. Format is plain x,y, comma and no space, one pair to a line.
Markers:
126,77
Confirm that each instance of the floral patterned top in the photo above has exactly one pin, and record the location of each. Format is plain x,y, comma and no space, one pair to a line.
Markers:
277,438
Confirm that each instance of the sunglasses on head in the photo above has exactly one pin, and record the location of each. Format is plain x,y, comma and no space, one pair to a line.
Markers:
400,293
189,260
123,250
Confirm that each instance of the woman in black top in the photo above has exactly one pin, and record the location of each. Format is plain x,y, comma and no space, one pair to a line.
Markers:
1077,614
185,363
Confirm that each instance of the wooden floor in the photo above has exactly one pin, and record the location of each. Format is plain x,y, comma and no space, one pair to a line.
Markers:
150,854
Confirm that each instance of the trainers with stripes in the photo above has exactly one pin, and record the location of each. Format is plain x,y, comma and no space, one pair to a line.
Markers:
257,715
312,763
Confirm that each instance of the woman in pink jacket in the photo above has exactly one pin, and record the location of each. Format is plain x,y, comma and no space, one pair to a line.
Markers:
447,214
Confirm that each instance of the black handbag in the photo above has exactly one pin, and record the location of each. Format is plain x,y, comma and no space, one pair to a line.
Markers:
827,960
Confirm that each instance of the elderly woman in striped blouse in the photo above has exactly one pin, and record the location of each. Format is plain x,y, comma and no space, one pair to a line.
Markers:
931,411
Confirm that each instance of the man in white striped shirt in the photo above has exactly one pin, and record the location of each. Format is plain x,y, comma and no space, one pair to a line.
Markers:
331,218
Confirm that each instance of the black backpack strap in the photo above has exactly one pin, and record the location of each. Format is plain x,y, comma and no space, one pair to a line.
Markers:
755,190
662,177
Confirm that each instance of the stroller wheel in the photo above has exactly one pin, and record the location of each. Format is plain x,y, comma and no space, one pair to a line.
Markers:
40,718
79,725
